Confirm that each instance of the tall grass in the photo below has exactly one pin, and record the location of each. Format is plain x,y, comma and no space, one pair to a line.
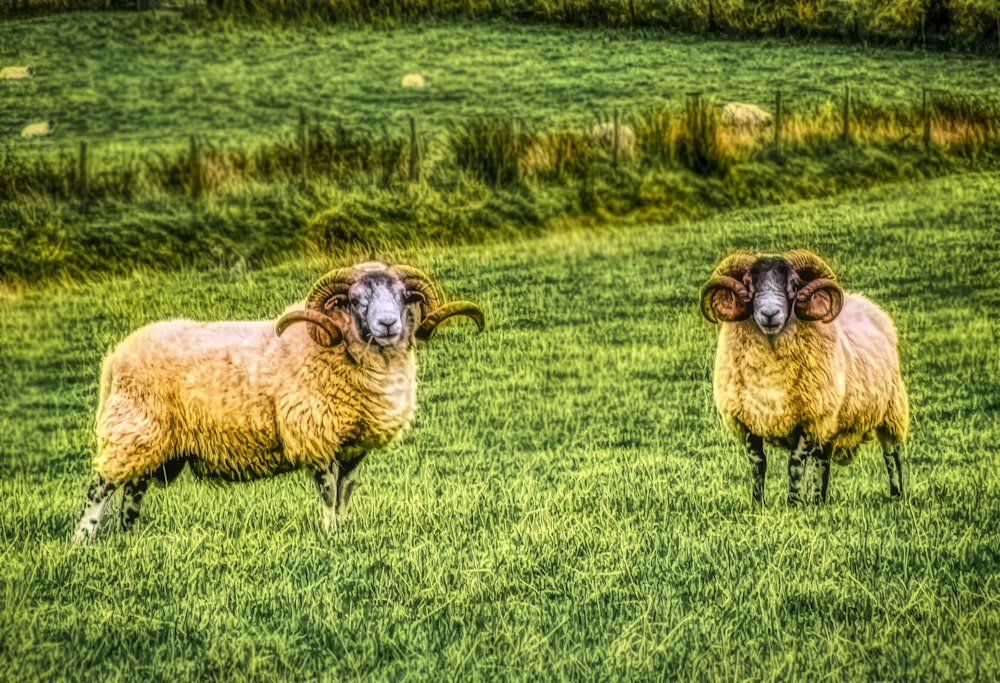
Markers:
969,24
330,188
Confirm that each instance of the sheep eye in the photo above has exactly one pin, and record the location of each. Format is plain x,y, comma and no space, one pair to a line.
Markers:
338,301
414,298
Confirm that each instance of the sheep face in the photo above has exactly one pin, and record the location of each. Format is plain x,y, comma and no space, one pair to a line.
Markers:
773,289
374,304
375,310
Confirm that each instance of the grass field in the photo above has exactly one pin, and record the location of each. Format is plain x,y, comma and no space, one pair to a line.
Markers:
566,506
123,79
139,88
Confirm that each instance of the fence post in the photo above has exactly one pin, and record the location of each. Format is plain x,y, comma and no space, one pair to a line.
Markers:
846,135
84,189
303,145
777,121
927,123
195,170
614,142
414,152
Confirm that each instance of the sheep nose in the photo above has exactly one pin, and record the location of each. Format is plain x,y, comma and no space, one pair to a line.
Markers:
771,314
387,325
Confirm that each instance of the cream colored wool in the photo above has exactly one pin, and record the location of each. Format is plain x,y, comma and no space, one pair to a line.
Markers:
245,403
838,380
413,81
14,73
37,130
605,133
745,116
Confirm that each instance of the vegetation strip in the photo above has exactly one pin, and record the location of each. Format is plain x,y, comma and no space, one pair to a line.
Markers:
967,24
331,189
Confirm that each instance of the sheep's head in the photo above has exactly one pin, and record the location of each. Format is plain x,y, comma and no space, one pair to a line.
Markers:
375,304
770,288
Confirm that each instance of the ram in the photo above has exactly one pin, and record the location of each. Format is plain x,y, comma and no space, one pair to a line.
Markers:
246,400
803,365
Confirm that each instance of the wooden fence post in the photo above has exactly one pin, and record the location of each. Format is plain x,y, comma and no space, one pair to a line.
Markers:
414,152
303,145
195,169
846,135
614,142
84,189
777,121
927,123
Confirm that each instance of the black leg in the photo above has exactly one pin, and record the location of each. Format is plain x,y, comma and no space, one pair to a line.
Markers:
798,458
758,465
97,497
132,494
327,482
821,461
895,470
346,485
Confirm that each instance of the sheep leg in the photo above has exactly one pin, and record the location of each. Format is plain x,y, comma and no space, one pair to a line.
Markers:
346,486
895,469
327,482
798,459
98,493
132,494
821,462
758,465
890,453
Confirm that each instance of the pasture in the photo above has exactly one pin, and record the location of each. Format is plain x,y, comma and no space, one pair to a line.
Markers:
123,79
565,507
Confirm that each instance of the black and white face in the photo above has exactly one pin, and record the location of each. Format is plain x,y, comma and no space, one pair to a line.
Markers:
772,283
375,310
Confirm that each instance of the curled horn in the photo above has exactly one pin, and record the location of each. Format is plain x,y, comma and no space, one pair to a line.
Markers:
439,315
332,336
724,297
322,328
820,298
416,282
433,312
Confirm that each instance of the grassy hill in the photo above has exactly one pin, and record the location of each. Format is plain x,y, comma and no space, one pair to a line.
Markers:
566,505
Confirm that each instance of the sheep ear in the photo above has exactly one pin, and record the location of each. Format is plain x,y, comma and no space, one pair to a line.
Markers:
820,300
725,299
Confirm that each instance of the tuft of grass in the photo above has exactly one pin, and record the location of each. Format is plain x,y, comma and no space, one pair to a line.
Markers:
491,150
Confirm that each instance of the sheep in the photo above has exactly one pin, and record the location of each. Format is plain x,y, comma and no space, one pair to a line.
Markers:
606,133
803,365
38,130
248,400
413,81
16,73
747,117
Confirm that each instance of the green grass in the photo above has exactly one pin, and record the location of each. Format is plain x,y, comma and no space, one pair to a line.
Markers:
143,89
965,24
124,79
566,505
